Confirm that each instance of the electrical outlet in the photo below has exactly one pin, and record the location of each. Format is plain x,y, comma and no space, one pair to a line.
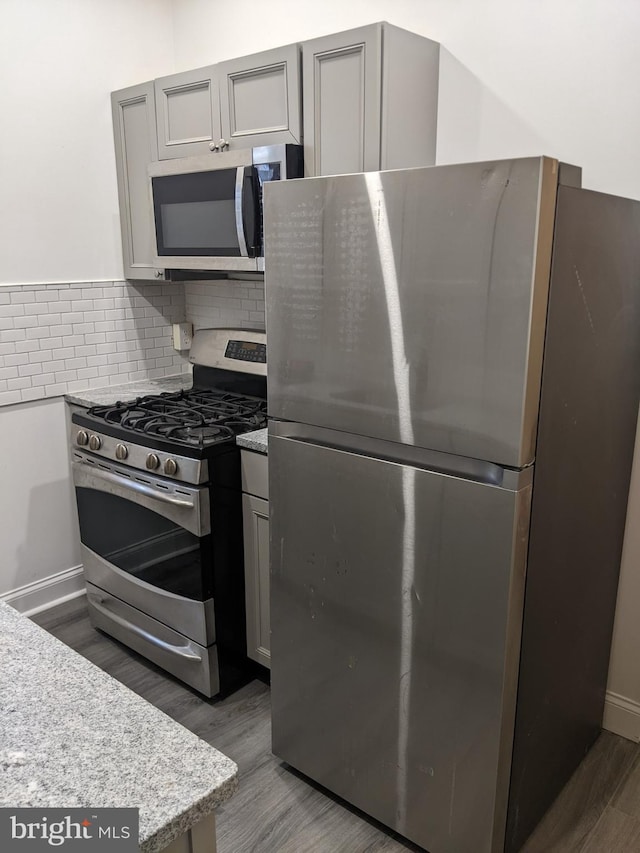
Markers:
182,336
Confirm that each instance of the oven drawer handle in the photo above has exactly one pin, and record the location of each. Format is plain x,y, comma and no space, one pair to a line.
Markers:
181,651
142,488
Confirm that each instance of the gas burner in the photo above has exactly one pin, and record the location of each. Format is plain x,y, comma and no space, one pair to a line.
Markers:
197,418
201,436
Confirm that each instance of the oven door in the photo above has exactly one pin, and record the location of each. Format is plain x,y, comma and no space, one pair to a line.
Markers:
148,541
207,216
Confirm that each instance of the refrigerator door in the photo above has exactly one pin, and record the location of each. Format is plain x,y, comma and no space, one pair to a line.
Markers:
410,305
396,613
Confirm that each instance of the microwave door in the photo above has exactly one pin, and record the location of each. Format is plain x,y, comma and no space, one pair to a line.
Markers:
206,220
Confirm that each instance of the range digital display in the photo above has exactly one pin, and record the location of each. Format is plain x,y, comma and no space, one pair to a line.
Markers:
246,351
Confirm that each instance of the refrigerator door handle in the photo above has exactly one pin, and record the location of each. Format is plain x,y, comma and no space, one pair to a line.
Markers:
478,470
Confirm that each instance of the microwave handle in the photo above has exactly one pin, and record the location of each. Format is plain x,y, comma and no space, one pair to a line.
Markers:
242,241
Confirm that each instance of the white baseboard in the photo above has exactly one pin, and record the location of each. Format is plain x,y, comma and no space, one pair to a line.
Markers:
622,716
46,593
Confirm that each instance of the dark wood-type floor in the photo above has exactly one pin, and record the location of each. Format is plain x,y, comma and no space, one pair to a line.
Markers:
278,811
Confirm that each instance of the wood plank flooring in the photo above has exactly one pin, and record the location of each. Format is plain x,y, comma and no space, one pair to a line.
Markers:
276,810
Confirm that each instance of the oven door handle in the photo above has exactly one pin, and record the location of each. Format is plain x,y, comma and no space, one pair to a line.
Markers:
142,488
182,651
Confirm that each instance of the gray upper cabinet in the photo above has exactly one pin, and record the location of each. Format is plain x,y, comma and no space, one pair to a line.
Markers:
260,98
134,128
253,100
370,98
188,113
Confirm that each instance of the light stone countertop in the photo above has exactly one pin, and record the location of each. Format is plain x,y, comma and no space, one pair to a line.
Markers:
109,394
256,440
71,736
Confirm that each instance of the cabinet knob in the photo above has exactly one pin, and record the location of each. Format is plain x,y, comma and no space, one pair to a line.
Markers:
222,144
159,274
213,146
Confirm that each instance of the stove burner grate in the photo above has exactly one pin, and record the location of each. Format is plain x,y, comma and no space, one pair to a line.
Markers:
197,418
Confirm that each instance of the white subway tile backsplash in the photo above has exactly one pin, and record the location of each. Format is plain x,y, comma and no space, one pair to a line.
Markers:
29,369
72,340
8,397
47,294
24,322
64,352
77,362
19,384
58,338
25,395
55,390
11,310
43,379
87,349
37,308
225,303
39,357
26,346
7,335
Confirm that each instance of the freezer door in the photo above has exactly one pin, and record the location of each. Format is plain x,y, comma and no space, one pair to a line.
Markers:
396,614
410,305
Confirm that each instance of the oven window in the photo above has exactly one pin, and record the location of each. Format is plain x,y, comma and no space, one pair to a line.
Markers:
145,545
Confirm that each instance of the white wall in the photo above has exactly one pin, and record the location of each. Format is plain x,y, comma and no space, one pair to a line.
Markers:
517,78
38,528
59,61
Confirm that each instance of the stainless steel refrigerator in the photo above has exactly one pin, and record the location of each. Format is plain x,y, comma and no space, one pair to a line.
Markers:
454,375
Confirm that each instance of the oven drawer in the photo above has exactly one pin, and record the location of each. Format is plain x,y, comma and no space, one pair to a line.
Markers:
195,619
187,660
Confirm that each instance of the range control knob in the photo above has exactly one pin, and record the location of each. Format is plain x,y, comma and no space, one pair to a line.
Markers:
82,438
152,462
170,467
121,451
95,442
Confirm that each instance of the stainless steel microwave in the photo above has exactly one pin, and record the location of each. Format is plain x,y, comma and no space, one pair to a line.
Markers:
208,210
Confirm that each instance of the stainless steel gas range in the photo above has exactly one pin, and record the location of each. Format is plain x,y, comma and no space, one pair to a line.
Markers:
158,489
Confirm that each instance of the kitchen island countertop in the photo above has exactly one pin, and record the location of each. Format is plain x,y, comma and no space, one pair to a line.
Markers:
109,394
72,736
256,440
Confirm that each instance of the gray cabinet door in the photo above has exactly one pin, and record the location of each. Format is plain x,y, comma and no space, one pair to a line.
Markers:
370,100
188,113
260,98
397,603
342,102
134,129
255,513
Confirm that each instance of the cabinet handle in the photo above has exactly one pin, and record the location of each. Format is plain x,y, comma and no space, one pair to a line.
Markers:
213,146
159,273
222,144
